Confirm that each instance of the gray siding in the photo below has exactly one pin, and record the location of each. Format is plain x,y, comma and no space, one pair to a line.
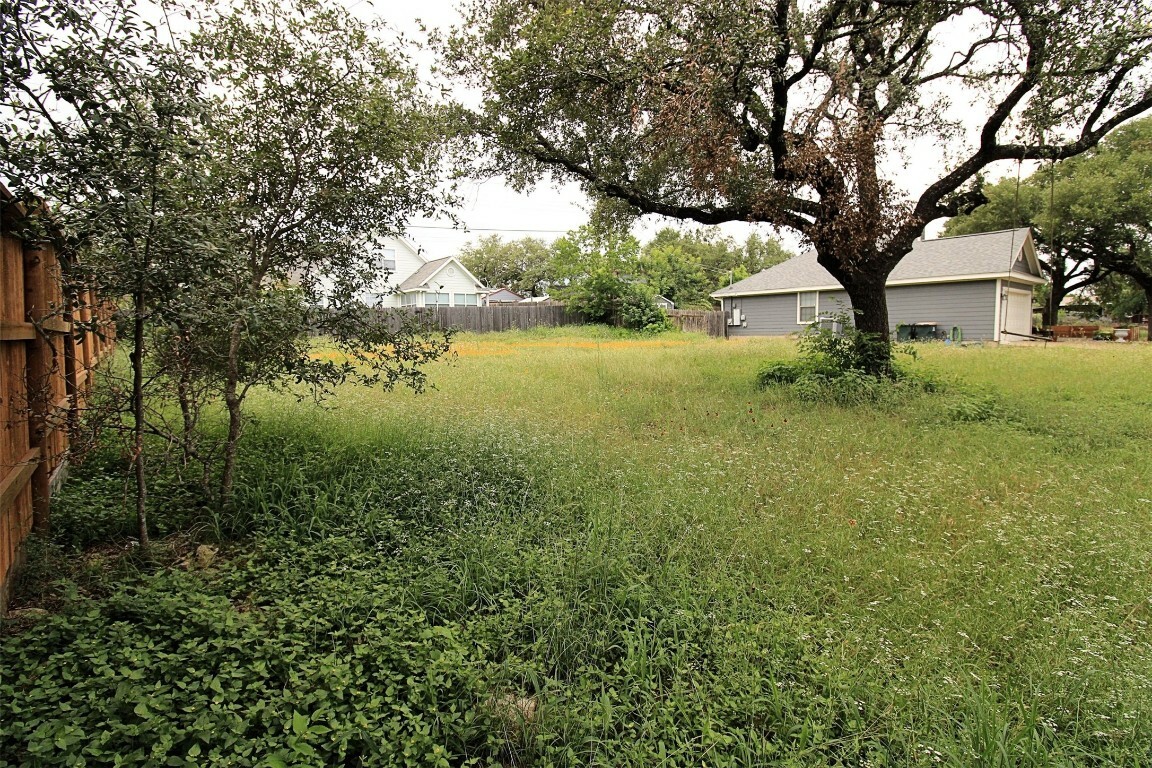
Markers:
765,315
971,306
835,303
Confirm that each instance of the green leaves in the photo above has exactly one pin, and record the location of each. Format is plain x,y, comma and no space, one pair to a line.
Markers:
1090,215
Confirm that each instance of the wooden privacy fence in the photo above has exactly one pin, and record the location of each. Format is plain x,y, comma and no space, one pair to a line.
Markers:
521,317
524,317
711,322
47,348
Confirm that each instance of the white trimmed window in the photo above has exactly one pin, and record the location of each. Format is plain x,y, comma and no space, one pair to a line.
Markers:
388,259
806,305
437,300
464,299
408,299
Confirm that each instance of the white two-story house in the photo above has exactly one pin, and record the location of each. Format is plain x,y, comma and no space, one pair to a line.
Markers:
409,279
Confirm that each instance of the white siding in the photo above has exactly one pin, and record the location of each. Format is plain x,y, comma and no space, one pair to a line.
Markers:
1018,315
407,262
454,280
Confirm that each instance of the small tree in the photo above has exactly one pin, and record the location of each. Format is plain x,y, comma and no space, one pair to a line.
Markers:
673,271
319,140
102,120
229,226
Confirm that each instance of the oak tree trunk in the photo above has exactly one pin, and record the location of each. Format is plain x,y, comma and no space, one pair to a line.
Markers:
870,307
1050,314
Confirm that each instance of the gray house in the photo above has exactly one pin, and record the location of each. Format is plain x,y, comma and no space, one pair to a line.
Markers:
502,296
980,285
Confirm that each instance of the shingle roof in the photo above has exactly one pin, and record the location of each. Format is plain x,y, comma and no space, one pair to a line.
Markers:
418,278
504,294
944,258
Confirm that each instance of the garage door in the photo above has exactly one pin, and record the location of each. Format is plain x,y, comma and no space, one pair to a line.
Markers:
1019,315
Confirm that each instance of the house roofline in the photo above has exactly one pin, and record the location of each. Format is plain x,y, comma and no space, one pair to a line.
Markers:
447,260
1013,276
413,246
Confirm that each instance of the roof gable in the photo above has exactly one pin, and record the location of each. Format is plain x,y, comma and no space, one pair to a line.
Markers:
430,269
504,294
400,244
946,259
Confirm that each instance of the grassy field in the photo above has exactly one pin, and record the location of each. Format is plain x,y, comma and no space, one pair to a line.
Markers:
588,549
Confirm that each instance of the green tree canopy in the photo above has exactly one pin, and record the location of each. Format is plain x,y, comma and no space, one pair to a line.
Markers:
1112,213
100,135
219,184
593,249
785,113
1029,202
523,265
320,139
1092,214
688,266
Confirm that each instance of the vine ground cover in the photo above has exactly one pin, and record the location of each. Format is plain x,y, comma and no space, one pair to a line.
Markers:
584,551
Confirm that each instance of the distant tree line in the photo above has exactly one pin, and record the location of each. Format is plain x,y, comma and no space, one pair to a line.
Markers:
593,261
1092,217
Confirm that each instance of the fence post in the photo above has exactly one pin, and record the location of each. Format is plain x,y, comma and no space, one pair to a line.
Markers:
37,278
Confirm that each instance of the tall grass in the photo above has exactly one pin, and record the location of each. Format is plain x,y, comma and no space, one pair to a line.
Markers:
595,550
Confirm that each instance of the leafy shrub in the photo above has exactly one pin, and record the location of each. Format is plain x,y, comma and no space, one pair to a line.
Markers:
605,297
780,372
834,344
833,368
638,311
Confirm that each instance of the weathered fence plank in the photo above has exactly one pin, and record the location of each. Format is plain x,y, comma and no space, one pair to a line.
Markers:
525,317
711,322
44,363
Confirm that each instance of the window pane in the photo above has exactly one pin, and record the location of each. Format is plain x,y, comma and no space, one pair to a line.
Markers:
806,306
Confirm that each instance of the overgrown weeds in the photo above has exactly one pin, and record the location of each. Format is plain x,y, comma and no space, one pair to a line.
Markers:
628,557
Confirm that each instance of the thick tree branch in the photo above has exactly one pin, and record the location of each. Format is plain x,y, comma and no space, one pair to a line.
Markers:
545,152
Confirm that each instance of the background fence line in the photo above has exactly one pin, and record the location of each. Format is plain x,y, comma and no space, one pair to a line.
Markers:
524,317
48,346
710,321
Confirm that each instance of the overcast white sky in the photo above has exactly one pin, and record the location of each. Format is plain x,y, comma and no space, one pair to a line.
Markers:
549,211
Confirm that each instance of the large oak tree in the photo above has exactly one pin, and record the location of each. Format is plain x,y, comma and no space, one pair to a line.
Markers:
790,113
